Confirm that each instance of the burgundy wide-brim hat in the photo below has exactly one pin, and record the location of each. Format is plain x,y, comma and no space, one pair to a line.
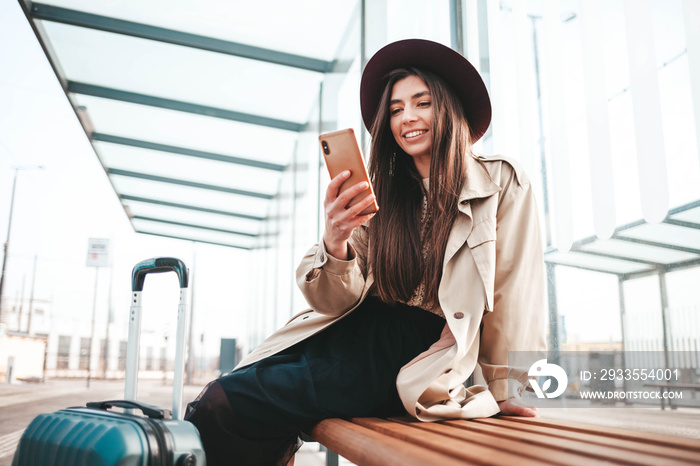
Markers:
443,61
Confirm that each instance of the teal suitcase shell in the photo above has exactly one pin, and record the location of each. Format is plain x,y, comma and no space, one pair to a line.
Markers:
94,436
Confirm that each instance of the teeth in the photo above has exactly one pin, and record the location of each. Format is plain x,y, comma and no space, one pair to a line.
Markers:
414,133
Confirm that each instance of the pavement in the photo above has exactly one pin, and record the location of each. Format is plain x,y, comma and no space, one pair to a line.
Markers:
21,402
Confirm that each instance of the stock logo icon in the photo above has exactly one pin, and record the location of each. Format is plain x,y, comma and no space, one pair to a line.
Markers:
542,369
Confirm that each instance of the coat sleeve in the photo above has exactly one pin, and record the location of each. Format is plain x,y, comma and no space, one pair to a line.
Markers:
332,286
518,320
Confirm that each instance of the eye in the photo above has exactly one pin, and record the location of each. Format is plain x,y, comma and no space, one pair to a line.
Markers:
394,111
425,103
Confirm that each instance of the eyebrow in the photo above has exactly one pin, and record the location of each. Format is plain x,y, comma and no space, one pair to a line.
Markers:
414,96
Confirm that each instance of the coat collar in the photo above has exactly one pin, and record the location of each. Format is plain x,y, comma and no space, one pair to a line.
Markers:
479,183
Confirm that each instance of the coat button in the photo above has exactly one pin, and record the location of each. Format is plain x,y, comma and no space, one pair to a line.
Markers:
459,315
323,257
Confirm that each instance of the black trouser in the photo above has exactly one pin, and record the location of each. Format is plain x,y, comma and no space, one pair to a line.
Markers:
253,416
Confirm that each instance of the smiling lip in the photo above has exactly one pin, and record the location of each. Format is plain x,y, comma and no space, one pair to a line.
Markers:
414,134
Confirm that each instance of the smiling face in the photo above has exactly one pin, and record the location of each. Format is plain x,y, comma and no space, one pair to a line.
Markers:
411,117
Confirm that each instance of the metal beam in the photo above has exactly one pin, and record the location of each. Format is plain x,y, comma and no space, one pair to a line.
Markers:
184,151
191,184
669,268
192,225
683,208
621,258
683,223
193,239
180,106
145,31
658,245
127,197
583,267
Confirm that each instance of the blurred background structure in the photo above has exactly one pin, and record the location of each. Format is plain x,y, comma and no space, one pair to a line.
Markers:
190,129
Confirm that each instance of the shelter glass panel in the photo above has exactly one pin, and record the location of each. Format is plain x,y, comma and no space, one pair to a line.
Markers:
298,25
188,130
186,74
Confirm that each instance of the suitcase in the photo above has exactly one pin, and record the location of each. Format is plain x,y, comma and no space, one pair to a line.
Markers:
95,436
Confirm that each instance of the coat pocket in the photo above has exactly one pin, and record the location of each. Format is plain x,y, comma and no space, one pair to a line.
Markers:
482,243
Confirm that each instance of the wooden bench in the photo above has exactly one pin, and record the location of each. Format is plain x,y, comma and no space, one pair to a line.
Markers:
668,386
500,440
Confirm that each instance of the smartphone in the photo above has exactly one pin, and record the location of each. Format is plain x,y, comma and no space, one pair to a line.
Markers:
341,152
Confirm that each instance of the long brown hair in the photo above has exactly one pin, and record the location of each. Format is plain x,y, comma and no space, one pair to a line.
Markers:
396,253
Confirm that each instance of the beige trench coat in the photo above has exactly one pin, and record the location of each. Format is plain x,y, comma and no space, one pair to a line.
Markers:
491,292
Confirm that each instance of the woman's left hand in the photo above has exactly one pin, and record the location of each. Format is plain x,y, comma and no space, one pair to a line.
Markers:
510,408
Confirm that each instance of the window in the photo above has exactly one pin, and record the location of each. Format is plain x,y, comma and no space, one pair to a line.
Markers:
163,360
122,356
149,358
84,354
63,352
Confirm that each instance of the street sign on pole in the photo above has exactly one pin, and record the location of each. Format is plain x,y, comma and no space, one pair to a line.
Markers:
98,252
97,256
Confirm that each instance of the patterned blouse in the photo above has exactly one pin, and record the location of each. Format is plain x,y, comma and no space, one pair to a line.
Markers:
418,298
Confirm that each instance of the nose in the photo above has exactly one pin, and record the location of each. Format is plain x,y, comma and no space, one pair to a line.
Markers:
409,114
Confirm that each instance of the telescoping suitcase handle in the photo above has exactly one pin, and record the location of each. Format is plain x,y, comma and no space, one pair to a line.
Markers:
154,412
138,276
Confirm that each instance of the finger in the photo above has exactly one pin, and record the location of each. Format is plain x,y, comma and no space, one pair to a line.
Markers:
352,192
358,208
334,185
515,410
356,222
362,219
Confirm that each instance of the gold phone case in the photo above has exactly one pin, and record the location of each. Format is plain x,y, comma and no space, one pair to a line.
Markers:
341,152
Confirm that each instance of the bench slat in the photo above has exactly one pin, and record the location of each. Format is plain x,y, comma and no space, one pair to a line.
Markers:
367,447
543,455
470,452
597,452
594,437
501,440
615,432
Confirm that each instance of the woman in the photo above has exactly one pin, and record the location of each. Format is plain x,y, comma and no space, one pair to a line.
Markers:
404,302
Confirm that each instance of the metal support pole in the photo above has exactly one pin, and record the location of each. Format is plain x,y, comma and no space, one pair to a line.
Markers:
20,302
31,298
190,345
543,156
331,458
621,294
105,360
665,318
554,331
92,334
456,26
7,241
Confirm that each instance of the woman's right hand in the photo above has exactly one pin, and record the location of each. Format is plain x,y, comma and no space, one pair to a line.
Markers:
341,220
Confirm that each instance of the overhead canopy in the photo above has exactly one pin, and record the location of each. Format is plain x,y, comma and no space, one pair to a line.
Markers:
640,248
193,108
